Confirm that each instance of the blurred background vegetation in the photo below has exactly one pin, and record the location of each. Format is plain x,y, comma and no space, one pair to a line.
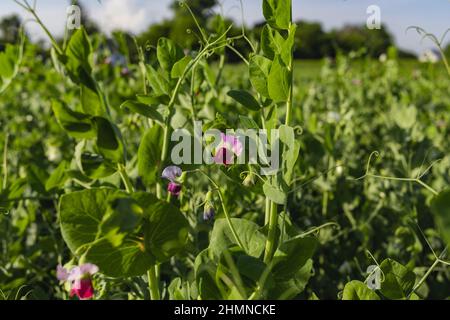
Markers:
313,42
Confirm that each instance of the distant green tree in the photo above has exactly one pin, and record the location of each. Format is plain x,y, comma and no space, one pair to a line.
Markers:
312,41
353,38
10,29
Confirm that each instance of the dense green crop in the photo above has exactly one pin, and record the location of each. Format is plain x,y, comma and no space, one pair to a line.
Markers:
88,180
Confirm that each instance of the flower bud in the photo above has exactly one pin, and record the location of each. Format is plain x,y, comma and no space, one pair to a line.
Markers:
208,209
249,180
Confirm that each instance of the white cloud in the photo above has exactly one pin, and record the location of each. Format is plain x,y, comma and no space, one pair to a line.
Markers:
128,15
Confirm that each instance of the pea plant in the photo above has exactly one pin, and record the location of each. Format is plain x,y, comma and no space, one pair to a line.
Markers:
119,216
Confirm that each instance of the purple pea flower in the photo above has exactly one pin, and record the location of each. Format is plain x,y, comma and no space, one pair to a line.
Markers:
172,173
80,279
208,212
229,147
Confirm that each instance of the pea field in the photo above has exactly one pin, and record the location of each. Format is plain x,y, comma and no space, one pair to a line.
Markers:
94,206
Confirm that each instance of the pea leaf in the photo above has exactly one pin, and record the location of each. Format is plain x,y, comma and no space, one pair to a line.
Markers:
157,81
80,214
271,42
222,238
153,100
289,288
291,150
87,218
166,229
291,256
274,193
168,54
245,99
109,140
91,101
357,290
10,60
143,109
398,280
77,55
95,166
278,13
123,215
58,177
259,72
76,124
279,81
149,155
179,67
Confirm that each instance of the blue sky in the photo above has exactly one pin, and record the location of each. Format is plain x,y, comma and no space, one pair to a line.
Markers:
136,15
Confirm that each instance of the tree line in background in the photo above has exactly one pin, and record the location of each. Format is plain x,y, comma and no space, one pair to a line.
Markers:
313,41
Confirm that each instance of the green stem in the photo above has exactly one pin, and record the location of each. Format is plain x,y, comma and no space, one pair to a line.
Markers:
267,215
425,276
153,284
224,208
126,179
270,243
291,90
5,163
44,28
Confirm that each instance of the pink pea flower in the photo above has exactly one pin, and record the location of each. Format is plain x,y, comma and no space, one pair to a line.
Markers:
172,173
80,279
229,147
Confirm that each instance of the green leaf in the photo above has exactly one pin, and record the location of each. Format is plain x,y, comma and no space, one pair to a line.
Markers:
123,215
291,256
91,101
205,271
80,214
58,177
168,54
286,289
37,178
179,67
291,150
405,117
78,55
245,99
222,238
153,101
278,13
109,140
166,229
10,60
440,207
95,166
87,218
259,70
248,123
271,42
178,290
157,81
398,280
279,81
143,109
149,155
357,290
76,124
287,46
274,193
127,260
